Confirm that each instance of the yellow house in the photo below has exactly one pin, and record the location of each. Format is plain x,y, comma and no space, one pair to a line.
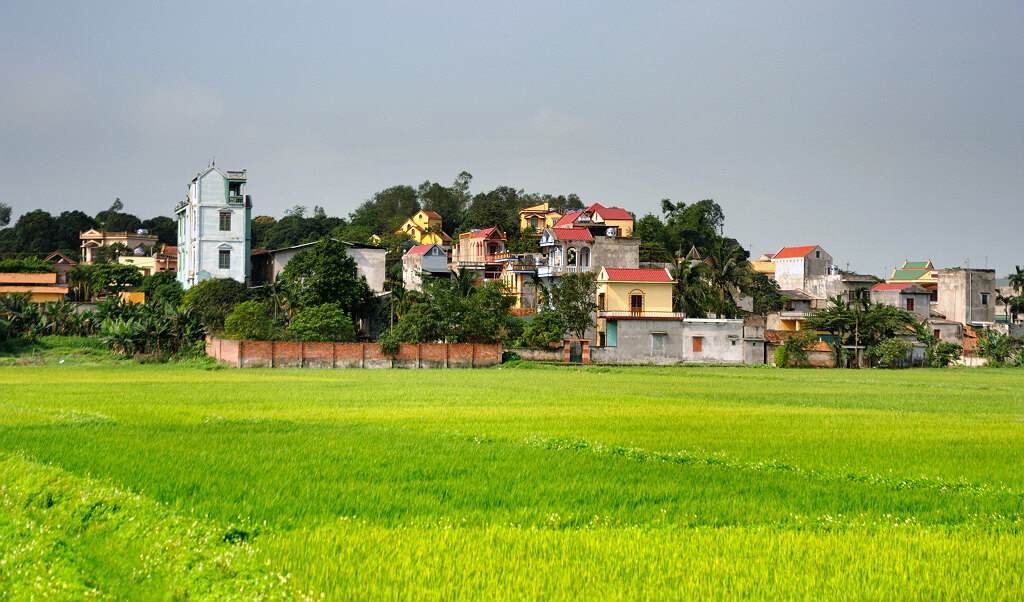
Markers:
631,294
418,228
42,287
538,217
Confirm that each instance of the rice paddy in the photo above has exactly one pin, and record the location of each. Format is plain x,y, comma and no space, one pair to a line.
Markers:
525,481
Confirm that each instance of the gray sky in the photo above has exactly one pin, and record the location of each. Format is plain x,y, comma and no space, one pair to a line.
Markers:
883,131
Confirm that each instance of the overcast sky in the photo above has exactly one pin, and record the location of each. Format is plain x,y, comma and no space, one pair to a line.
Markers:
883,131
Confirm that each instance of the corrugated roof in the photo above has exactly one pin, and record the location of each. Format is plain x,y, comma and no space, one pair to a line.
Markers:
791,252
572,233
638,275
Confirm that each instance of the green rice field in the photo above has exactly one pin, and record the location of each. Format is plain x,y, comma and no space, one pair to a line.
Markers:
524,482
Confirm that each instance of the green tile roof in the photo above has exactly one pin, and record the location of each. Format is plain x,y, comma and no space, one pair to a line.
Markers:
908,274
917,265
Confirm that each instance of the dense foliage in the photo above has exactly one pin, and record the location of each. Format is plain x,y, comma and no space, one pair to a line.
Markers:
322,323
324,273
456,311
211,301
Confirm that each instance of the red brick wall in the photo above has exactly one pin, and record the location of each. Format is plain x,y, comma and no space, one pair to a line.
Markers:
289,354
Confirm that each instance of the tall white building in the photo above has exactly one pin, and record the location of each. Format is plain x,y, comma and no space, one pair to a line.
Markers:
214,235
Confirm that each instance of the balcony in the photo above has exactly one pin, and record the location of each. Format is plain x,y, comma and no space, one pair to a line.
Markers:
236,199
546,271
795,314
640,315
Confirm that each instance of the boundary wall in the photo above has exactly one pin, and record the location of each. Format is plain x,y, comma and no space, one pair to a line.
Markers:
291,354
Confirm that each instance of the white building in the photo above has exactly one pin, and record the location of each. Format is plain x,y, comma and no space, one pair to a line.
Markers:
214,234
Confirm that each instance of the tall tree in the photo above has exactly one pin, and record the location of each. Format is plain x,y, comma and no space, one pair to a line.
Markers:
324,273
572,297
726,267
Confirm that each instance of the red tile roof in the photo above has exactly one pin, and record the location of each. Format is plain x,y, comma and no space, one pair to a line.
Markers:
638,275
790,252
567,219
891,286
487,233
609,212
419,249
431,214
572,233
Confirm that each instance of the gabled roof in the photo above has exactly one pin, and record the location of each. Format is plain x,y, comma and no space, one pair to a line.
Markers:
794,252
918,265
609,212
420,249
431,214
489,232
568,218
908,274
636,275
571,233
58,257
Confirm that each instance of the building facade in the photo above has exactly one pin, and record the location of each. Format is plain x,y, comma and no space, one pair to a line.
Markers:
214,233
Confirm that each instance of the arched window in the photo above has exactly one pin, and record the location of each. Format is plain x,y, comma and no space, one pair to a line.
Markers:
585,257
570,257
636,302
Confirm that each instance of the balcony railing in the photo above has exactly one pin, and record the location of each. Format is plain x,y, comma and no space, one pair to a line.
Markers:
641,314
558,270
236,199
794,314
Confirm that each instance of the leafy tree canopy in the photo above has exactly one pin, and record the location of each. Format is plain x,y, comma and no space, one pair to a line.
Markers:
572,297
324,273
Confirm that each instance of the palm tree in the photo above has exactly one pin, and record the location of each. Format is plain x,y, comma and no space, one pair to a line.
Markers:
690,291
726,262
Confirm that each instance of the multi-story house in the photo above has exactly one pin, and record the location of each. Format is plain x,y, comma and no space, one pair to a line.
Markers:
482,251
571,249
425,228
613,221
794,264
93,239
538,217
214,235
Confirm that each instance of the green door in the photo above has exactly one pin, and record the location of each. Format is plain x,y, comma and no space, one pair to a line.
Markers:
612,328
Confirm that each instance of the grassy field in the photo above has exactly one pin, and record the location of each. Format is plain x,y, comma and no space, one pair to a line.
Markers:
609,483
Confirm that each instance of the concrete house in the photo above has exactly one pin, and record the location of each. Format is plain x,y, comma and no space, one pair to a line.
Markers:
635,299
214,235
577,249
794,264
430,260
481,251
268,265
905,295
41,287
967,296
93,239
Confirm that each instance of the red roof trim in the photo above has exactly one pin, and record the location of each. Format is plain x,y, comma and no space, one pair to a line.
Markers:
637,275
791,252
572,233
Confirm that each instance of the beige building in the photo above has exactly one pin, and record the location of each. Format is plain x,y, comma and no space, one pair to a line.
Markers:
93,239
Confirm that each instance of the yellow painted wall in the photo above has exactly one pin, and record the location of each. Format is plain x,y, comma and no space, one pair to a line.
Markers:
625,225
133,296
657,295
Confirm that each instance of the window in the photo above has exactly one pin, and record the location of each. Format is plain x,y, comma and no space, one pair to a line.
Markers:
817,254
984,298
698,344
658,341
534,222
600,302
225,221
224,259
937,333
910,304
636,303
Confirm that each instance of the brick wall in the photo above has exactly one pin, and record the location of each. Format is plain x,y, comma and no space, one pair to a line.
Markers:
289,354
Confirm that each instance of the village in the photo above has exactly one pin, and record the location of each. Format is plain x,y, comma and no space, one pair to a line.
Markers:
636,312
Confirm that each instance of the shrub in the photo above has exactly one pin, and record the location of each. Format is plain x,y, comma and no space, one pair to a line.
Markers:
781,357
248,322
212,300
891,353
996,347
327,322
544,328
389,345
942,354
